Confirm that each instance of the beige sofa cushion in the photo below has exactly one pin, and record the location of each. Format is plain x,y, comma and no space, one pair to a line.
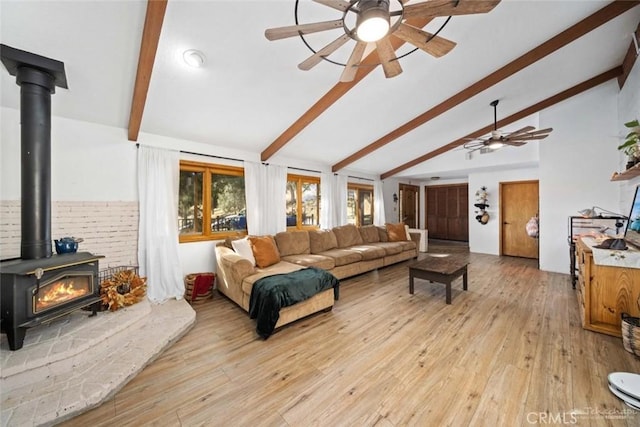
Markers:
293,242
369,252
281,267
343,256
347,235
390,248
382,234
396,232
311,260
369,234
322,240
265,251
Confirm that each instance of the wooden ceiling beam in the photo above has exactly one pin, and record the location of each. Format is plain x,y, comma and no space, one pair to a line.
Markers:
148,48
566,94
572,33
333,95
630,58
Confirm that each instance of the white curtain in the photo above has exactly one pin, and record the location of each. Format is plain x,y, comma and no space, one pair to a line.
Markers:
340,192
158,181
265,191
379,217
333,200
255,185
276,198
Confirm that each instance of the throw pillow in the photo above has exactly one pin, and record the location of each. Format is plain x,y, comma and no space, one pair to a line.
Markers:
396,232
243,248
265,251
406,229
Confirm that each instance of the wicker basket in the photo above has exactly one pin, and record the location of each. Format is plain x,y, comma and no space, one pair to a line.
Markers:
631,334
198,287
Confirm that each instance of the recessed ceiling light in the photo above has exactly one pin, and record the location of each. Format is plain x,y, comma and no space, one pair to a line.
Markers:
194,58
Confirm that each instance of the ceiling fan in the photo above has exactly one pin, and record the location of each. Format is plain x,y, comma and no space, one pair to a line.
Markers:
499,139
375,21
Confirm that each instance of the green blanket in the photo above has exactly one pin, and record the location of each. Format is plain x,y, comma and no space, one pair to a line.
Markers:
271,293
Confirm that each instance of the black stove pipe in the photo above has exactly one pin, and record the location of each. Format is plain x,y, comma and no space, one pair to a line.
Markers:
37,77
36,88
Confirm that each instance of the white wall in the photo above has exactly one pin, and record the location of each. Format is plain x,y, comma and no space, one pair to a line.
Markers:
576,163
89,162
485,238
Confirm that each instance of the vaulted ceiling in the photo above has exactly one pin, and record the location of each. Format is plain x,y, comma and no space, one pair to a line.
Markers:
250,95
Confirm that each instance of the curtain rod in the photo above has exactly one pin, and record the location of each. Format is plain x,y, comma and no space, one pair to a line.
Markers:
359,177
211,155
305,170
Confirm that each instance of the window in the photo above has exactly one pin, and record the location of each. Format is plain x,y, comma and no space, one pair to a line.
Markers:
360,204
303,201
211,202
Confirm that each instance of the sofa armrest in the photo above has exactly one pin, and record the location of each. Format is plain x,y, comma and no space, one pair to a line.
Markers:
234,267
415,237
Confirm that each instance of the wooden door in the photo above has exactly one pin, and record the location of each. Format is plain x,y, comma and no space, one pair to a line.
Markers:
447,212
518,203
409,205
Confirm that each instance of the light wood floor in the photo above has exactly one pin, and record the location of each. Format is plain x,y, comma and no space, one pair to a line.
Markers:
508,352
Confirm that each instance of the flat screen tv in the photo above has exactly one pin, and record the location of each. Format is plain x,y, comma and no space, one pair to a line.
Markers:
632,233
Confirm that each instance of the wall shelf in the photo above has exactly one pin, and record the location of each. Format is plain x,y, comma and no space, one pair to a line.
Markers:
632,172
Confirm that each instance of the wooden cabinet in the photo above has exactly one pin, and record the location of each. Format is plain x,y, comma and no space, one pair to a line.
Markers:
605,292
447,212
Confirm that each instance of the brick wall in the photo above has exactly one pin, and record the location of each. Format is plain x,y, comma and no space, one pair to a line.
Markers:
108,228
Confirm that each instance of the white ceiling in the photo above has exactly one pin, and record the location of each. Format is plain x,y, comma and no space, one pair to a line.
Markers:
250,90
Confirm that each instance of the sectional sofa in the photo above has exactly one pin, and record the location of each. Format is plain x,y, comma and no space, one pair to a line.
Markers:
344,251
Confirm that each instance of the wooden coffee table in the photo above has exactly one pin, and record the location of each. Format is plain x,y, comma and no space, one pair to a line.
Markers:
440,268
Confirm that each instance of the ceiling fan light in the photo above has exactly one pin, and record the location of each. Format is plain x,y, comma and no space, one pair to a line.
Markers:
373,20
495,145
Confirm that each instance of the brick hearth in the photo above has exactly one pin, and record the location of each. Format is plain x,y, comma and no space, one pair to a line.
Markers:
75,363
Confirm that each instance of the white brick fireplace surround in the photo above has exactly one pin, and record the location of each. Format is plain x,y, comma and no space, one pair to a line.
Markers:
108,228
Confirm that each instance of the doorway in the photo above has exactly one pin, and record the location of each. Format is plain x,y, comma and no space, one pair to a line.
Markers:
410,205
518,203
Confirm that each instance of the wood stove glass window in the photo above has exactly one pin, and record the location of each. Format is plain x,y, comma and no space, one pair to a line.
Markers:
61,289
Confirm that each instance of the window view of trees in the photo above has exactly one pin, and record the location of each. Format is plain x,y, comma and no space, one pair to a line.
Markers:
222,212
360,204
303,201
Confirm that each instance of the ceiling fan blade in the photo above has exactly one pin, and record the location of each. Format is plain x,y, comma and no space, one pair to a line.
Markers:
514,143
519,131
351,68
388,59
530,138
448,7
433,45
315,59
294,30
336,4
541,131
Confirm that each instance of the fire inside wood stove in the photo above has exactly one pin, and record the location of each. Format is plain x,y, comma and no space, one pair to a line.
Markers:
62,290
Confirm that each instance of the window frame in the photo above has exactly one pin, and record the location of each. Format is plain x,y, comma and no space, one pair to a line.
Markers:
357,188
209,169
299,180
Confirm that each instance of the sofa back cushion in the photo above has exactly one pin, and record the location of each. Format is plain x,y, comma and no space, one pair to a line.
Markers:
382,234
322,240
369,234
265,251
396,232
243,248
293,242
347,235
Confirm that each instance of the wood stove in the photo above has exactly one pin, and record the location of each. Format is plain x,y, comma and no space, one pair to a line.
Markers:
39,286
38,291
